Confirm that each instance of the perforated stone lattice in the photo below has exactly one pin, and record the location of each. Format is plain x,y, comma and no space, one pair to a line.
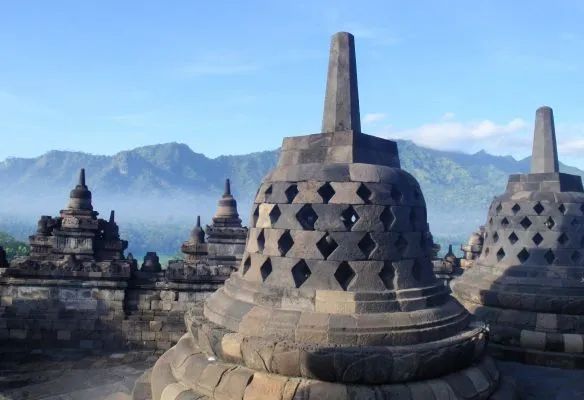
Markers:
537,225
351,214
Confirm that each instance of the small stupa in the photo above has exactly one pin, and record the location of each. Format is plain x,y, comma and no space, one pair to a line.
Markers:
528,282
225,236
75,243
335,297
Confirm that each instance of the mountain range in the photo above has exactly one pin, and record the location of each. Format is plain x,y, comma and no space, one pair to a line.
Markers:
158,190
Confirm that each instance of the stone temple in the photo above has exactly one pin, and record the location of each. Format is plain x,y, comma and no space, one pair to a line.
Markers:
528,282
219,254
335,297
77,243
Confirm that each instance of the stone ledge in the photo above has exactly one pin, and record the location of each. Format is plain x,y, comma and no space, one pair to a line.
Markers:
187,366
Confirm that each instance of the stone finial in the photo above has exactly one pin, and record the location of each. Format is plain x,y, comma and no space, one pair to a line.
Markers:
227,188
198,234
341,104
112,217
82,177
544,158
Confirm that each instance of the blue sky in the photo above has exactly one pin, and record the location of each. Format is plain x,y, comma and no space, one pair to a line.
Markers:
232,77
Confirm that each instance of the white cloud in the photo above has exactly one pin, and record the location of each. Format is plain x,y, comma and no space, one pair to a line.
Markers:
468,136
371,118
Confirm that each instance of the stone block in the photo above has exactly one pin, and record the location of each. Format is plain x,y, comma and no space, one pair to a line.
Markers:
20,334
264,386
63,335
573,343
233,384
155,326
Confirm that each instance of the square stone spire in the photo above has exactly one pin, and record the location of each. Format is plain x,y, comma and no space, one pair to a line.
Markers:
544,158
341,104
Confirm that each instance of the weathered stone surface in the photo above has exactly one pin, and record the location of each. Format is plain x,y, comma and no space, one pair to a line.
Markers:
526,282
336,290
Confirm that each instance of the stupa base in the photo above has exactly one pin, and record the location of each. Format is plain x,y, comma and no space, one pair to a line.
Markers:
185,372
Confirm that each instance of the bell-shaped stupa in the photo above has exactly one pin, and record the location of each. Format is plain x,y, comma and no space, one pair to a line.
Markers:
335,297
528,282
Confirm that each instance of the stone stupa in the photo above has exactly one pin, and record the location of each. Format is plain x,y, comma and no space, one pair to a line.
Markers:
528,282
226,236
335,297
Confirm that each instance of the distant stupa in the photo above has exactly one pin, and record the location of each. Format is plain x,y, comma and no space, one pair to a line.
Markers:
528,281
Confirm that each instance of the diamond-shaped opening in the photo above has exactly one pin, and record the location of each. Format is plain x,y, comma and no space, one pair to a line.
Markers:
487,251
291,193
537,239
538,208
300,273
549,256
275,214
516,208
326,245
499,208
285,243
396,195
256,215
387,274
364,193
550,223
500,254
575,222
367,245
268,191
495,237
401,244
326,191
413,217
576,256
307,217
349,217
266,269
523,255
387,218
344,275
417,271
562,208
246,265
261,241
505,222
513,238
525,223
563,239
490,221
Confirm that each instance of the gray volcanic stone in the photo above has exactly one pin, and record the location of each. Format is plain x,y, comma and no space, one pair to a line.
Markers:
336,295
341,104
527,281
544,158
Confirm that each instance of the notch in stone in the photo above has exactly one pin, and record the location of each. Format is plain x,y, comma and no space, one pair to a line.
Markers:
227,188
341,103
544,158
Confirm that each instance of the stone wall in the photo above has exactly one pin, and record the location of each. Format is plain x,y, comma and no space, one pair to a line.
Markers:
144,311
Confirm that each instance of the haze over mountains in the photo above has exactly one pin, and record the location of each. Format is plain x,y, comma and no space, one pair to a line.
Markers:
158,190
